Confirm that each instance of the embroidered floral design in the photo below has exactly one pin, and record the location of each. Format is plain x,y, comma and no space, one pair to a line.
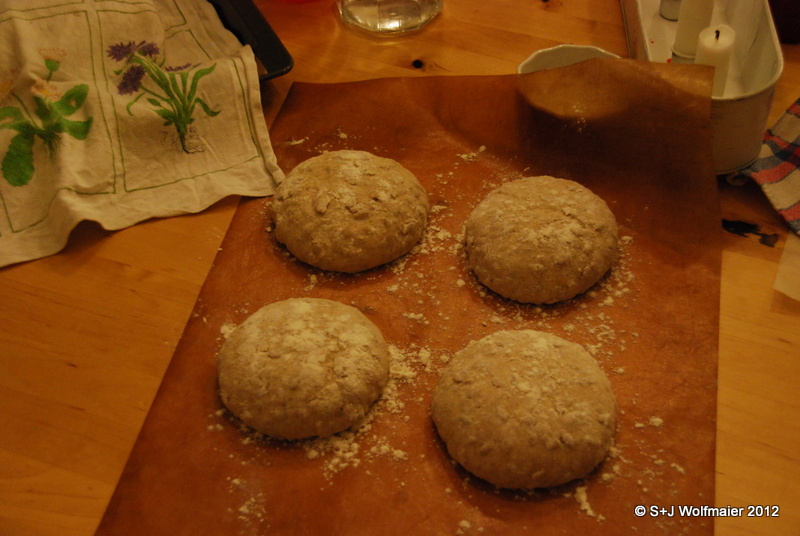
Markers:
47,122
174,97
53,58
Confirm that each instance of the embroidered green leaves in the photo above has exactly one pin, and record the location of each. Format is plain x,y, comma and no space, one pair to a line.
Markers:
174,97
47,122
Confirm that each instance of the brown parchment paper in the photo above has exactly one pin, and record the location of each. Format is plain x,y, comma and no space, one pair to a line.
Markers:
652,323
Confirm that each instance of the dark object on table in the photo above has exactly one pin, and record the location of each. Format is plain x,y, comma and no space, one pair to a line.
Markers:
247,23
786,14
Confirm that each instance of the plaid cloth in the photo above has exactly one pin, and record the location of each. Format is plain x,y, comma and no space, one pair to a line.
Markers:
777,168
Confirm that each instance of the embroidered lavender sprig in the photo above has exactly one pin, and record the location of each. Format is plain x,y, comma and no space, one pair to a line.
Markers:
174,97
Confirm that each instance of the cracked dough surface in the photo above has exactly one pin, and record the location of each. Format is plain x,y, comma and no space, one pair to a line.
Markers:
541,239
303,367
525,409
349,211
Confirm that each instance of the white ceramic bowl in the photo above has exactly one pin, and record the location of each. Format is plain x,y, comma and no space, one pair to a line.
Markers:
561,56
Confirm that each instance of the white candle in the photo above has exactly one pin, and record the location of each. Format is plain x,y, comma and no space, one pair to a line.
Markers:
693,16
715,48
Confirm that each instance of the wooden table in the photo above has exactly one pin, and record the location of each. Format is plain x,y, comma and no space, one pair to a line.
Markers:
86,335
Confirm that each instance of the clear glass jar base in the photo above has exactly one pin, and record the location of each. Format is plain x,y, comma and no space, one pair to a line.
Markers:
389,16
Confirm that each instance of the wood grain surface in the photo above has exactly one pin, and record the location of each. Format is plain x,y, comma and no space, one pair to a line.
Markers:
87,334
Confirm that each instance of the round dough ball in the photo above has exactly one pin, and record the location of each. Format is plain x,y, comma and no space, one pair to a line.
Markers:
349,211
525,409
303,367
541,239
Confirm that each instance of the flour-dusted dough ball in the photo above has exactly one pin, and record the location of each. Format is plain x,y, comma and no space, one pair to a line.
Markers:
541,239
525,409
303,367
349,211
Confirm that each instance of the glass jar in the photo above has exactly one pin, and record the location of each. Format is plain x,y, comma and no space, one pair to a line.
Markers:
389,16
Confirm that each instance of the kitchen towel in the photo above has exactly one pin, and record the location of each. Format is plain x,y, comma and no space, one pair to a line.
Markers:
118,112
776,168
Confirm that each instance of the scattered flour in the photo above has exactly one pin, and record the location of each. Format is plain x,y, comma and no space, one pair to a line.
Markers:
588,319
583,501
471,157
344,450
